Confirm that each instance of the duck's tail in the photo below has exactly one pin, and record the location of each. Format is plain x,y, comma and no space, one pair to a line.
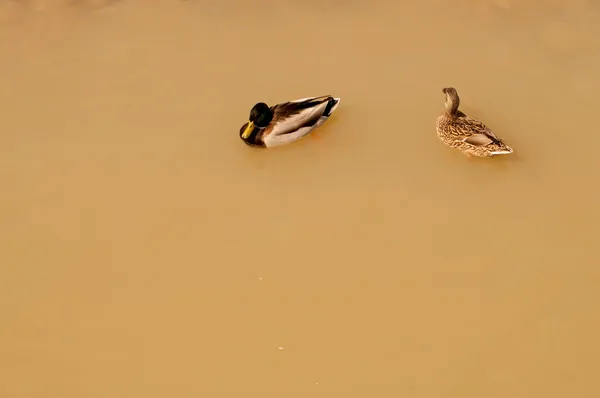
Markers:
331,105
503,149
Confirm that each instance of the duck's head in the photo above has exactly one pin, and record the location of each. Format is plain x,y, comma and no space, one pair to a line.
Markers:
452,99
260,117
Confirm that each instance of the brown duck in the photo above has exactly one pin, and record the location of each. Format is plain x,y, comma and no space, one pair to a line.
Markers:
465,133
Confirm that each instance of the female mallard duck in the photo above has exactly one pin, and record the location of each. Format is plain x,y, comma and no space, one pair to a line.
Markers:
465,133
287,122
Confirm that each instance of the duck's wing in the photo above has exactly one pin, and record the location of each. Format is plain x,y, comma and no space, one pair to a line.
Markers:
290,117
480,134
478,140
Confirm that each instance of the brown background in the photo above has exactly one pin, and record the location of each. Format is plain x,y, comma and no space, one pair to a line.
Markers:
145,251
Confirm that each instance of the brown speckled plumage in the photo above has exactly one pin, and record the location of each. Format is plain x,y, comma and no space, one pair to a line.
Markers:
465,133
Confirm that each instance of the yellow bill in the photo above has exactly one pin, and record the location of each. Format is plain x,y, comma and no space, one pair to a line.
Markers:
248,131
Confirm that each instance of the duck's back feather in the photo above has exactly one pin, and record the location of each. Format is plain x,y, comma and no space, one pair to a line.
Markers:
295,119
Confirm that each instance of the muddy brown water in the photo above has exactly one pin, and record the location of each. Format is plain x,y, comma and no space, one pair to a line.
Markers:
146,251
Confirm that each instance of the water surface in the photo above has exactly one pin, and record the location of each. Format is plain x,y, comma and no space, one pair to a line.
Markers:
146,251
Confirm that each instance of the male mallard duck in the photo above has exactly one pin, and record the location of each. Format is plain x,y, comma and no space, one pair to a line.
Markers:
465,133
287,122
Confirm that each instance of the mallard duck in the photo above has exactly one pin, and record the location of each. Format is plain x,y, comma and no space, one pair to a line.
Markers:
465,133
286,122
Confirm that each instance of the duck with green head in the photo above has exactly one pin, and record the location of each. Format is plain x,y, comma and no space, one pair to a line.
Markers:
465,133
287,122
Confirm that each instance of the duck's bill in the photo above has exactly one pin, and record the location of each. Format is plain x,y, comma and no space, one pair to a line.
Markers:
248,131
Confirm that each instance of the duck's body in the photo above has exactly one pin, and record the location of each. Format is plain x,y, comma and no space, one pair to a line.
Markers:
465,133
286,122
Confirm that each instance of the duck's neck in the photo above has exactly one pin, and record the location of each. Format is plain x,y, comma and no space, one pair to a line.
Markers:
452,107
